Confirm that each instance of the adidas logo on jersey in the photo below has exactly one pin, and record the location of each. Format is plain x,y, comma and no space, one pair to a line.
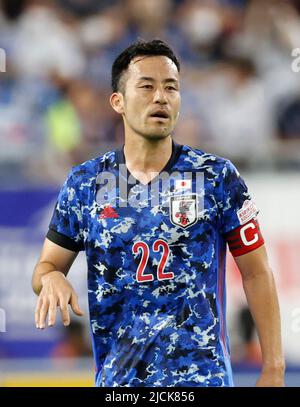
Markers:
108,212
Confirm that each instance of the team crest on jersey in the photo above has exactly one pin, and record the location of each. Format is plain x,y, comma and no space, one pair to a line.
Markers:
183,210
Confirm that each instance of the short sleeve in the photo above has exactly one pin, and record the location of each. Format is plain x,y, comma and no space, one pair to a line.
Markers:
237,206
65,227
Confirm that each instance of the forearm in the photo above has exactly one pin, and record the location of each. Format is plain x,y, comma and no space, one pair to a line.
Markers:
262,299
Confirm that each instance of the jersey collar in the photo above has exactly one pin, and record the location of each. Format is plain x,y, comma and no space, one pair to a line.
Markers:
176,151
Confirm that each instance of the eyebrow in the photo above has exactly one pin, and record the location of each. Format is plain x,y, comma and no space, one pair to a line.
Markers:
149,78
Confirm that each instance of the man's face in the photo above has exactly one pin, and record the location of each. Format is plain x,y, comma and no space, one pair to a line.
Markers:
151,98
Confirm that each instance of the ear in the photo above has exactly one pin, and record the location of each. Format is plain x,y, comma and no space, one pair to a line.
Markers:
117,102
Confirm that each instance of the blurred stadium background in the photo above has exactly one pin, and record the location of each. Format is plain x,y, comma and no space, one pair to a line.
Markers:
240,99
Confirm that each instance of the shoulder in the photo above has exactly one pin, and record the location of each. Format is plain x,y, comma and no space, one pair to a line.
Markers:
212,163
86,172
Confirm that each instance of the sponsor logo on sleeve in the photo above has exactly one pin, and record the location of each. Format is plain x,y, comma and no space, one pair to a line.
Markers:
247,212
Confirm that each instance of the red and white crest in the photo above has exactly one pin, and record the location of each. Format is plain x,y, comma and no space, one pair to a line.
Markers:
183,210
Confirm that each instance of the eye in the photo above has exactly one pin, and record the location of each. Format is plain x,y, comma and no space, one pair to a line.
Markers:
171,88
146,86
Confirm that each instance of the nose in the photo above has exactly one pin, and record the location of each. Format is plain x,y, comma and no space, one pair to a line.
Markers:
160,96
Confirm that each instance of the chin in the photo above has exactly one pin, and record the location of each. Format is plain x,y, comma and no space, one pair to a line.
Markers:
157,136
157,133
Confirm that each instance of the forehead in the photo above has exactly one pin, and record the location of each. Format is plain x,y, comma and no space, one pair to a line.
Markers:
157,67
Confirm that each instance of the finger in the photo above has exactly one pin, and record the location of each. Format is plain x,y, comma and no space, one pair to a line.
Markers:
37,311
75,305
63,304
52,311
43,314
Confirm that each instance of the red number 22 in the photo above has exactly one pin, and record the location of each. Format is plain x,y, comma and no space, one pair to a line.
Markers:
140,276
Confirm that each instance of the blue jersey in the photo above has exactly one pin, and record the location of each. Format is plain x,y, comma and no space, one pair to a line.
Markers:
156,271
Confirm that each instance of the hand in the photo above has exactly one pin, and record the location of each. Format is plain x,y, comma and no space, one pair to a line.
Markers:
271,379
56,291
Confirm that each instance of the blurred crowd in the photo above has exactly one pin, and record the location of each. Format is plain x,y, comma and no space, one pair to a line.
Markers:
240,96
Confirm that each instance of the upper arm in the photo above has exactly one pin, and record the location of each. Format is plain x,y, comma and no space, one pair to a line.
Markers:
60,257
253,263
236,204
66,225
239,225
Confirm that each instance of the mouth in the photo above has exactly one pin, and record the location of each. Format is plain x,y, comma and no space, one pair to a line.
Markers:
160,114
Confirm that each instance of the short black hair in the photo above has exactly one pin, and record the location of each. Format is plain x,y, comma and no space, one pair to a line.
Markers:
139,48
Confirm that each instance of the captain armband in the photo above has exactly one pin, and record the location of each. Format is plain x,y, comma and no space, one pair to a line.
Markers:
245,238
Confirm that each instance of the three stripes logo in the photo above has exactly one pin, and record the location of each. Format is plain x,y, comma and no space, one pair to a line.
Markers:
108,212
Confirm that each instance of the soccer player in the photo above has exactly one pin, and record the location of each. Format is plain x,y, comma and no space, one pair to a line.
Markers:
156,245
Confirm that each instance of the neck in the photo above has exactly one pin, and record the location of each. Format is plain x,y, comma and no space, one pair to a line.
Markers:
146,158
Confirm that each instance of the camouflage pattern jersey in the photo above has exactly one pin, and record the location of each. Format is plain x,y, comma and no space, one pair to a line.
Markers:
156,269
